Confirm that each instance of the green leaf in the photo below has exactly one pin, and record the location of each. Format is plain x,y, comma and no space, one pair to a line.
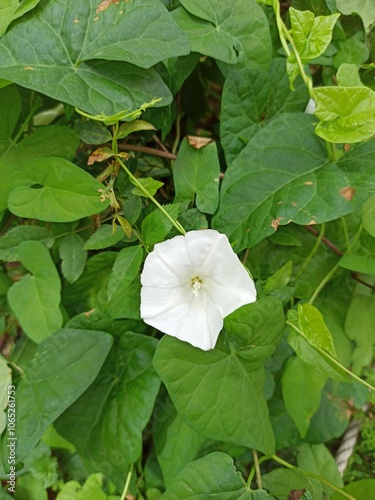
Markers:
301,388
55,190
368,215
35,299
315,331
176,443
13,9
251,98
133,126
346,114
280,279
64,366
283,175
156,226
364,8
359,489
106,422
5,391
125,269
104,237
73,257
358,263
230,376
280,482
318,460
360,328
351,51
235,33
128,37
213,476
9,243
347,76
92,132
196,175
311,34
91,489
149,184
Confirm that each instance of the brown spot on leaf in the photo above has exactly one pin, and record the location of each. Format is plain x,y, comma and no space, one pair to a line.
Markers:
346,147
279,203
105,4
96,18
308,183
76,21
88,313
293,203
198,142
276,222
347,193
295,494
100,154
28,68
312,222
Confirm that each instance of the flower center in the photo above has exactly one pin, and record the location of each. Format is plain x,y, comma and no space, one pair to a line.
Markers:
196,283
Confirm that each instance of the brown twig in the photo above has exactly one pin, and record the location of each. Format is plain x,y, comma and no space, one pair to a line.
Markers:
159,143
147,150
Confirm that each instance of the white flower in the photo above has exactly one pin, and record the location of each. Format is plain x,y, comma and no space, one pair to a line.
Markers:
311,107
190,283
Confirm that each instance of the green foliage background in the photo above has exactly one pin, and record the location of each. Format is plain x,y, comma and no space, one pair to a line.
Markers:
123,122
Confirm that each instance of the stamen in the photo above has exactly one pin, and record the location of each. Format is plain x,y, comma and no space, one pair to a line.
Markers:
196,284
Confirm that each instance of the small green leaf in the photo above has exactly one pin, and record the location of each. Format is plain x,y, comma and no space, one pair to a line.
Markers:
368,215
73,257
347,76
278,482
315,331
364,8
92,132
92,488
133,126
196,174
36,298
125,269
280,279
156,226
213,476
360,328
64,366
358,489
55,190
347,114
358,263
301,388
104,237
13,9
9,243
5,383
149,184
318,460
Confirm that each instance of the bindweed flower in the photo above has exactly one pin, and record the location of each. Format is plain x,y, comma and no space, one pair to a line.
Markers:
190,283
311,107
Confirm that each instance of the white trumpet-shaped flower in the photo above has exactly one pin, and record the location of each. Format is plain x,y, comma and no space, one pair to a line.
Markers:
190,283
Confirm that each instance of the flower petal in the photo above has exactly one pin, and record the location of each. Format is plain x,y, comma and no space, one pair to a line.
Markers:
179,313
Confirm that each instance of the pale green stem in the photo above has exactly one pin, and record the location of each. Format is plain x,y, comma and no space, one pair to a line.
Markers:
345,229
135,181
257,469
279,23
252,472
311,474
334,269
334,361
314,249
123,496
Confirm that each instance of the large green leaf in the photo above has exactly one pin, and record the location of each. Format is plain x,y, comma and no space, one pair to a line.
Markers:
55,190
36,298
213,476
301,386
83,38
283,176
229,378
73,257
364,8
235,32
360,328
251,97
359,489
106,422
196,175
64,366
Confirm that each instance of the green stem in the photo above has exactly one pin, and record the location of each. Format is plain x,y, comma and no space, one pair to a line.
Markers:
135,181
257,469
345,229
333,360
312,475
313,251
331,150
279,23
252,472
123,496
